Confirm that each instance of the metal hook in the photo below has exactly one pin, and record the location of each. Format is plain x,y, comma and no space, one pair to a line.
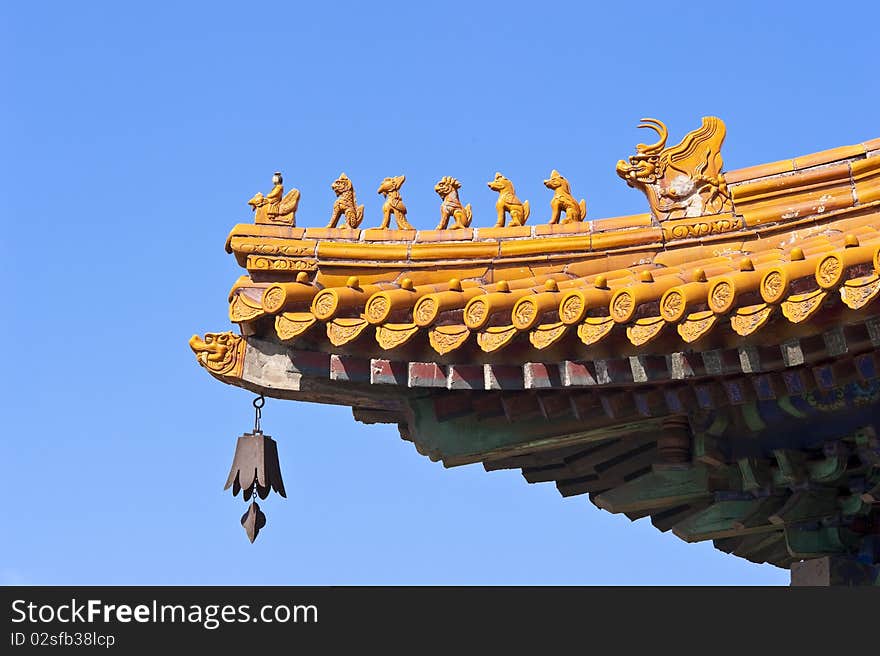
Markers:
259,402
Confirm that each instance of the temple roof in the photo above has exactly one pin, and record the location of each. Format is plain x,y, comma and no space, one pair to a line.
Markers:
712,363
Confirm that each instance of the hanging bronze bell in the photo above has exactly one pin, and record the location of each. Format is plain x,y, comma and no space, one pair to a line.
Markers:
255,467
255,472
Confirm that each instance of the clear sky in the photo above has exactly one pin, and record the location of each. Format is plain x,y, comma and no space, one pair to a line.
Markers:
133,135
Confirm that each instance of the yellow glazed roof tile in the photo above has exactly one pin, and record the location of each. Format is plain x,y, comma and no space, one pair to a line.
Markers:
733,253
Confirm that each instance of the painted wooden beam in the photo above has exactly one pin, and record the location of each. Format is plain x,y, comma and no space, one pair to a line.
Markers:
806,505
720,520
658,489
803,544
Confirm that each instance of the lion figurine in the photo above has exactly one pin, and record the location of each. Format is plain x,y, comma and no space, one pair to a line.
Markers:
451,206
346,204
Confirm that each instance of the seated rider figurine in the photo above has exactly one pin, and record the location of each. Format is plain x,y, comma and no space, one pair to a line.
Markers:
275,207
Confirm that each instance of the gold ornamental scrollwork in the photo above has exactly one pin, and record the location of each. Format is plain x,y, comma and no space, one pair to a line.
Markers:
774,286
829,271
622,306
571,309
261,263
704,228
290,325
392,335
642,331
721,296
594,328
525,313
377,308
696,325
800,307
325,304
273,298
547,335
857,293
243,308
343,331
672,307
220,353
748,319
445,339
495,337
476,312
426,310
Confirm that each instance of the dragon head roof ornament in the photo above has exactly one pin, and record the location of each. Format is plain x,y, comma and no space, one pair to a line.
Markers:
683,180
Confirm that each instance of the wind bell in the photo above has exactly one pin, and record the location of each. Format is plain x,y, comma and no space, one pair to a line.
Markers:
255,471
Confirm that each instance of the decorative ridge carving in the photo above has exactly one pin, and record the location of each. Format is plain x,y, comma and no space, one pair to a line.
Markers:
390,189
563,201
451,207
508,203
276,208
683,180
346,204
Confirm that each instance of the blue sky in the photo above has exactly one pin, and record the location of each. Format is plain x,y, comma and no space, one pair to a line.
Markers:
133,136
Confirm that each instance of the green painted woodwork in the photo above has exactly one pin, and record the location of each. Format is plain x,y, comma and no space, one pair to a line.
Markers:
749,544
760,516
827,470
719,425
806,505
854,504
662,488
756,474
724,519
462,440
812,544
753,418
792,467
706,450
787,407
